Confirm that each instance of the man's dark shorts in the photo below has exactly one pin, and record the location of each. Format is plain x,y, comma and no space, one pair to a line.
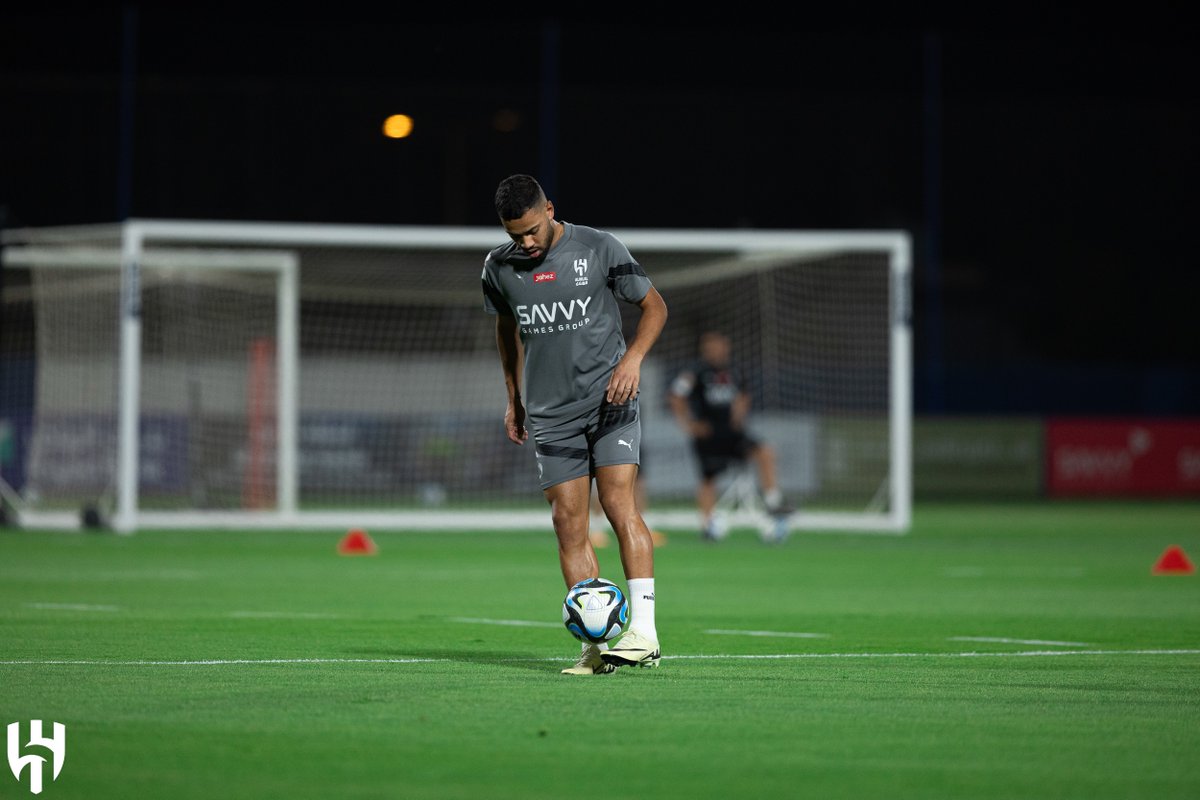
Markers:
723,448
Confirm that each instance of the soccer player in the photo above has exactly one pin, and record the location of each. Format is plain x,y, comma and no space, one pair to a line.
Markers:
554,290
711,404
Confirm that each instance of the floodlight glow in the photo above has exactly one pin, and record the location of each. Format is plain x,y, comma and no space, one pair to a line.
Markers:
397,126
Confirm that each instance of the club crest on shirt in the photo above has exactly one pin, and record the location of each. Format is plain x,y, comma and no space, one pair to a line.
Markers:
581,272
542,277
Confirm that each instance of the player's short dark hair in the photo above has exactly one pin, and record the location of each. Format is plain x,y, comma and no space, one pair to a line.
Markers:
516,194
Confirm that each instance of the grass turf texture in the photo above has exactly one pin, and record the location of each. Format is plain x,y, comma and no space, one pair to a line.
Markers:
484,713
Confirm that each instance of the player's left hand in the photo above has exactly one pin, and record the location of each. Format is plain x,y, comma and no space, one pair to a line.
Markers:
626,377
514,423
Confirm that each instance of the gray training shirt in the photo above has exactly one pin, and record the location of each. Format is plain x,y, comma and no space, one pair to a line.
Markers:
565,304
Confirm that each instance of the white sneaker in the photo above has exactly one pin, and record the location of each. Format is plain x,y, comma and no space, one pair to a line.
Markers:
589,663
633,650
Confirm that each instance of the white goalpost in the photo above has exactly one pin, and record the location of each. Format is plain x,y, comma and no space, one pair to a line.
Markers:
191,374
100,391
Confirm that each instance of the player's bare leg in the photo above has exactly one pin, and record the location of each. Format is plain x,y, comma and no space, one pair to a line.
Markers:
618,497
764,461
596,523
706,500
569,503
569,515
599,527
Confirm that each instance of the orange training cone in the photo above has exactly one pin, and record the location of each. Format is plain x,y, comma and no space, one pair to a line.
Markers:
1174,562
357,543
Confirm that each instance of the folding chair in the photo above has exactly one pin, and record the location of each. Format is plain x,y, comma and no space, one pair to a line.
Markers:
741,490
740,501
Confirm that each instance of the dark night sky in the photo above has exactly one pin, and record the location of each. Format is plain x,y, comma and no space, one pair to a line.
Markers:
1046,170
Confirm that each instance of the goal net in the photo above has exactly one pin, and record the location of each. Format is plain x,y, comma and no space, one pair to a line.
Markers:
206,374
206,377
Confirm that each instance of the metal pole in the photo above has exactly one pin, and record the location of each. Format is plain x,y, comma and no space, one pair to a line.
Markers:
548,109
129,377
287,401
934,366
129,24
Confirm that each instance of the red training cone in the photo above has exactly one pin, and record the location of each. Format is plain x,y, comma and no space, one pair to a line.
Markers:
1174,562
357,543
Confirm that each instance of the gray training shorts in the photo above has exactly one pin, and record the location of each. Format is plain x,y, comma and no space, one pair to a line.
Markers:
573,447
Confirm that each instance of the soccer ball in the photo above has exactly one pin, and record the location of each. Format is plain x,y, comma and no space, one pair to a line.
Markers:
595,610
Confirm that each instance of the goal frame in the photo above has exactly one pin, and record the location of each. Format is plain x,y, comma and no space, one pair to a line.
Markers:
130,259
137,239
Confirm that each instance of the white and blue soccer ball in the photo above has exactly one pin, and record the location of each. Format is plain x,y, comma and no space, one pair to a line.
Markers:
595,610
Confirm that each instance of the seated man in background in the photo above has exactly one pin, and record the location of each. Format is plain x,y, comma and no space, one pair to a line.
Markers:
711,404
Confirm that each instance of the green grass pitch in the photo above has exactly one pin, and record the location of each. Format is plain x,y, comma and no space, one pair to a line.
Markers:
263,665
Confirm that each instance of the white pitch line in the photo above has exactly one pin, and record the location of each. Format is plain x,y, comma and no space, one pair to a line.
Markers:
781,634
220,662
705,657
1002,640
281,615
70,607
972,654
518,623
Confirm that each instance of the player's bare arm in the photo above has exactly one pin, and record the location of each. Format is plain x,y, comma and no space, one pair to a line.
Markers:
627,375
509,344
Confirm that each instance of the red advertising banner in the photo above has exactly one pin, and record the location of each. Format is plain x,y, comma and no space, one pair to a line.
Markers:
1122,457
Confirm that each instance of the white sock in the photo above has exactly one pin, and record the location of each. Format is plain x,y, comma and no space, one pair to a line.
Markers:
641,607
601,647
773,496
